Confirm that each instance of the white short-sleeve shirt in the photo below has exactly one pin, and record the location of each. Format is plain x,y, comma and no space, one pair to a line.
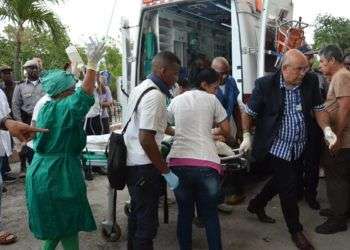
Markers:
150,115
5,140
194,113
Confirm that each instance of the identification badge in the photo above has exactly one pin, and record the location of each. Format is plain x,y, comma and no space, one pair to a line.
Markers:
299,107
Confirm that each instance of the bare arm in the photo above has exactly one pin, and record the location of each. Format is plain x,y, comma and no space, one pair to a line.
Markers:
247,122
149,145
224,128
322,118
89,81
342,117
106,104
170,131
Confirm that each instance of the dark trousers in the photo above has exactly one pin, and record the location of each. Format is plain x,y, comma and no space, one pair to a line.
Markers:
144,188
27,153
337,168
6,167
94,125
310,173
233,184
284,182
26,156
200,186
105,125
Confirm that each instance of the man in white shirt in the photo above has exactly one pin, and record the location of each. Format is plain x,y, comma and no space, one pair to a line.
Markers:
5,150
142,139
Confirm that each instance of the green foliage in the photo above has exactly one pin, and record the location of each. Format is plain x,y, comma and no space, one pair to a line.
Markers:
332,30
35,44
113,63
29,13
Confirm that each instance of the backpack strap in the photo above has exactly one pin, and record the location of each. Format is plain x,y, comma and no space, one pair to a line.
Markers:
136,106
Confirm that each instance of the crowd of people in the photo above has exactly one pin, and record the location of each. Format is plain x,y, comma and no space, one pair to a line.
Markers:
296,120
296,115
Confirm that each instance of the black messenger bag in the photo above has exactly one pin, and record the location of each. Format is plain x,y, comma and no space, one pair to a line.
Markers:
117,153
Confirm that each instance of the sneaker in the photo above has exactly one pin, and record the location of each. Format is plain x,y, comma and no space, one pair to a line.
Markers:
234,199
225,208
331,226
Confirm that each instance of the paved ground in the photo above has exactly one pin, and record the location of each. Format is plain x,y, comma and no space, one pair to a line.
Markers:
240,230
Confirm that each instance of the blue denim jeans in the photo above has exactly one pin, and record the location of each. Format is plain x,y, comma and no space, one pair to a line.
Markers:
200,186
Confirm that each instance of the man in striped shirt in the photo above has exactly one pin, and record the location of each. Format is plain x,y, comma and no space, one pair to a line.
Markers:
281,105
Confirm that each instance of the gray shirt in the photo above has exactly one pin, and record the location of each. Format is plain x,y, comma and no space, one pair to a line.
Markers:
25,96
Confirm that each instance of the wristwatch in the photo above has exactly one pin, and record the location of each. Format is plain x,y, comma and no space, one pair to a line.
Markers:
3,121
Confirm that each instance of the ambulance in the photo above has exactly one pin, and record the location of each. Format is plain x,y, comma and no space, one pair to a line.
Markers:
246,32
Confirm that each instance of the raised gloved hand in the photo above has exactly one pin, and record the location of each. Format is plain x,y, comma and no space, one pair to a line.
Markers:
246,143
95,52
329,136
172,180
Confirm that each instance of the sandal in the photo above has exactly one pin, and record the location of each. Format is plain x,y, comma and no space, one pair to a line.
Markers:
7,238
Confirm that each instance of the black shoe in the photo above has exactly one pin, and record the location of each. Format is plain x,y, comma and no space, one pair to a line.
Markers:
260,212
99,170
88,175
301,241
313,203
326,212
331,226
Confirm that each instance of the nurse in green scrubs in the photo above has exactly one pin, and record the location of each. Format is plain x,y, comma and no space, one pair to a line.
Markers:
57,203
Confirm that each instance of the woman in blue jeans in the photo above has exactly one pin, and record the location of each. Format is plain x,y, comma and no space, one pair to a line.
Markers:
193,157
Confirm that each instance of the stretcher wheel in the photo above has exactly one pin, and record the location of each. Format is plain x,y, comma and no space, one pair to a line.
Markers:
127,209
111,233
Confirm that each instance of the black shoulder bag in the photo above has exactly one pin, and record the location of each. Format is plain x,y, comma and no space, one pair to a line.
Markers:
117,154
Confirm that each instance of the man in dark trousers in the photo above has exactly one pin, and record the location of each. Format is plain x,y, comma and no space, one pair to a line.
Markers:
281,105
8,86
143,137
310,173
26,94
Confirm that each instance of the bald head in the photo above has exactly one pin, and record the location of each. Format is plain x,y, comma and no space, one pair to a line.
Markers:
293,57
294,66
220,62
222,67
166,66
164,59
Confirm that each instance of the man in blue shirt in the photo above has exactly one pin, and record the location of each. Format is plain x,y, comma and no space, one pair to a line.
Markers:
227,94
281,105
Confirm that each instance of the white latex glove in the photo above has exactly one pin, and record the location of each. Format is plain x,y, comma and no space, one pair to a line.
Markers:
223,149
95,52
329,136
246,143
172,180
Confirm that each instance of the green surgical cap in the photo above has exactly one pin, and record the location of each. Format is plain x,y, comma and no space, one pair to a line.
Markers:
57,81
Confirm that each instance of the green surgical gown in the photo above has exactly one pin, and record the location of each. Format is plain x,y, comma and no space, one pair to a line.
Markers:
55,188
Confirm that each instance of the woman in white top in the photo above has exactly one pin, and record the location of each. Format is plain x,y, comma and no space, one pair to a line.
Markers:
194,159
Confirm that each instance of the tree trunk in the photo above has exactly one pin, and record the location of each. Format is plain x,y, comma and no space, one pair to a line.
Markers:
17,61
